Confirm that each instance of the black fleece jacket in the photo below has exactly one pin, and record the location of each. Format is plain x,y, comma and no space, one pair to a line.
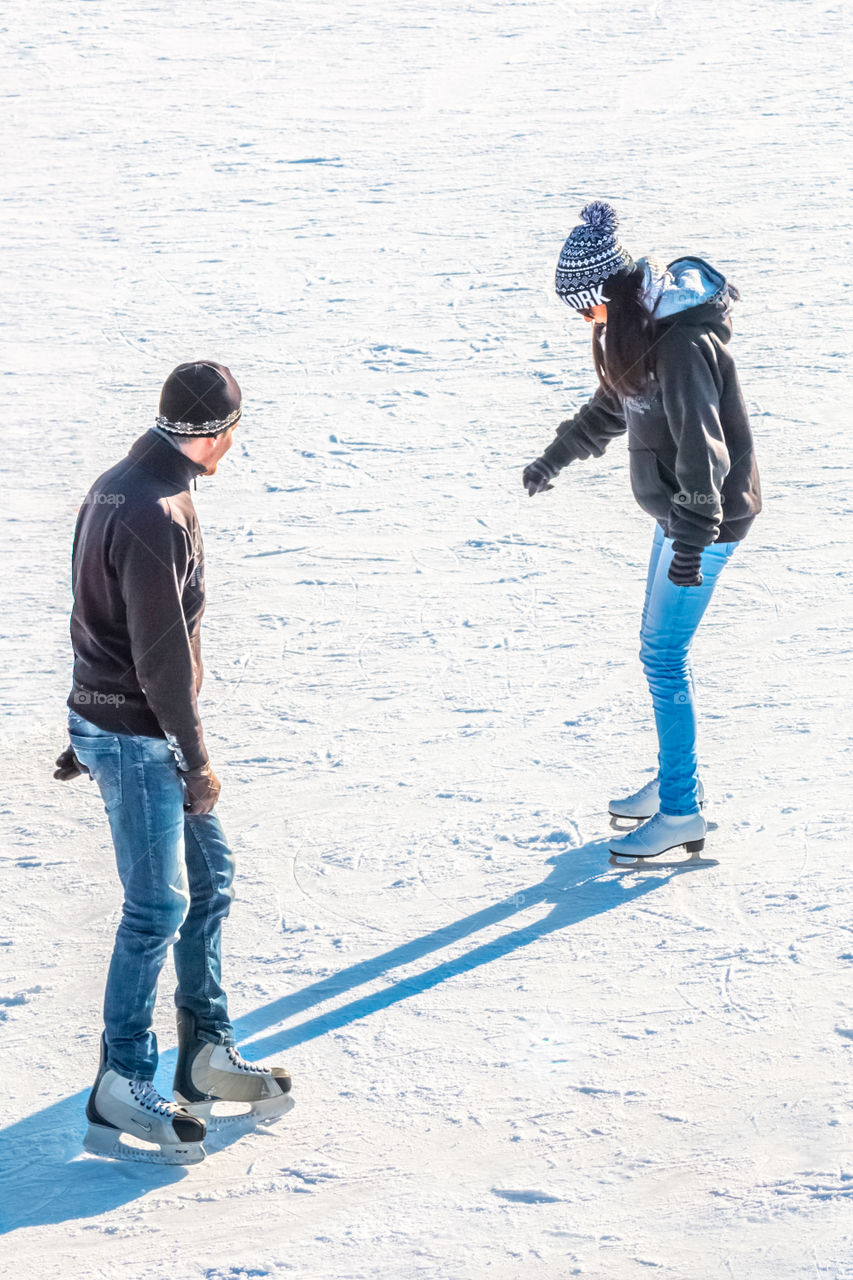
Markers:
138,579
690,445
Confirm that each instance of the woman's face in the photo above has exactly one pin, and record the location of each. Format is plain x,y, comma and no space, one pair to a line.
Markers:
595,315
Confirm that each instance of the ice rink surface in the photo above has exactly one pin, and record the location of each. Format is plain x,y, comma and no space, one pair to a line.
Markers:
509,1059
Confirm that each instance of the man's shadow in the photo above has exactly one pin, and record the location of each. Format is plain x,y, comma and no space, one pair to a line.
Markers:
45,1180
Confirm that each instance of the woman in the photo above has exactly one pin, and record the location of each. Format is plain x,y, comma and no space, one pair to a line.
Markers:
659,343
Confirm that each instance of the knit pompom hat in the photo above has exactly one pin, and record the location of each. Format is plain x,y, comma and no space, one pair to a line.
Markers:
590,255
199,399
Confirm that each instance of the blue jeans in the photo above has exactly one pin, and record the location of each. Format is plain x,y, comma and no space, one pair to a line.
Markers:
177,871
671,615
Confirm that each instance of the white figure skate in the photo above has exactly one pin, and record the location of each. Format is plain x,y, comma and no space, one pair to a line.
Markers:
661,833
642,804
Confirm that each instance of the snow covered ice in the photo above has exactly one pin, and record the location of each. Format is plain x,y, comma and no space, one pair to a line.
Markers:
509,1059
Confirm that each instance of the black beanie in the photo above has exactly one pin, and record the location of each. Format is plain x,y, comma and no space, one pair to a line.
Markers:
590,256
199,399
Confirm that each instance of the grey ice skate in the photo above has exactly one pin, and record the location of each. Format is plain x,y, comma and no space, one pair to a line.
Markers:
118,1107
210,1073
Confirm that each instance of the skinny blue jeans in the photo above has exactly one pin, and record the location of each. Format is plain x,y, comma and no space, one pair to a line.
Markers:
671,615
177,872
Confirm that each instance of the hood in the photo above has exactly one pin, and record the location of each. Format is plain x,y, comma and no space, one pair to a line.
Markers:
689,291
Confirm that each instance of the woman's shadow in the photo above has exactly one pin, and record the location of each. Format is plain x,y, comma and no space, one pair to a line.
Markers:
43,1175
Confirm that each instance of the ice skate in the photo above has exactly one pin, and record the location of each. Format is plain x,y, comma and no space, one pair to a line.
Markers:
642,804
661,833
208,1074
119,1108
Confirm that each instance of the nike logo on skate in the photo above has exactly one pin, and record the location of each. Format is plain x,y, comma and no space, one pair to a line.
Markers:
141,1124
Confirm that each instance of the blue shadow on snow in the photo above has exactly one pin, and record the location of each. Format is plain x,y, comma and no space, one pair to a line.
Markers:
43,1180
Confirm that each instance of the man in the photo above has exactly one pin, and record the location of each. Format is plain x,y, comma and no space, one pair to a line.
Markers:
138,582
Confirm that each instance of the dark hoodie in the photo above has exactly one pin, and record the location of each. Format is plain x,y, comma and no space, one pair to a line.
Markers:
138,579
690,445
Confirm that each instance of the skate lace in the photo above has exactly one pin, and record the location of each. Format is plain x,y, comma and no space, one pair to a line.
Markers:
646,832
237,1060
654,826
147,1096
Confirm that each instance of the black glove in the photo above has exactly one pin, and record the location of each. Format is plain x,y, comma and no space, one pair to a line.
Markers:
685,569
68,766
537,476
202,786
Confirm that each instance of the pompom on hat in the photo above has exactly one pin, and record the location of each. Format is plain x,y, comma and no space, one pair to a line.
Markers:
590,255
200,398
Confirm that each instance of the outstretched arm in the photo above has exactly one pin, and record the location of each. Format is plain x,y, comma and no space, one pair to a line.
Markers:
585,435
589,432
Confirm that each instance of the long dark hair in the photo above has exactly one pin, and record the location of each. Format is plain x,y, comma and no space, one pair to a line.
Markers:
626,362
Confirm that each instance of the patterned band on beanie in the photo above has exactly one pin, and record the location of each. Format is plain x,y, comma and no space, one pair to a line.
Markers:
590,254
212,428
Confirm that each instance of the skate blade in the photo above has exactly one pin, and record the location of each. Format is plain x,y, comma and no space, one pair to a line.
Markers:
640,862
113,1144
267,1109
632,823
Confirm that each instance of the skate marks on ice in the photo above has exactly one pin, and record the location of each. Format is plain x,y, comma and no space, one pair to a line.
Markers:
42,1181
576,889
46,1176
810,1185
43,1178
